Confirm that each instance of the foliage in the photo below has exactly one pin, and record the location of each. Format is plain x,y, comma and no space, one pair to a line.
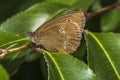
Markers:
96,59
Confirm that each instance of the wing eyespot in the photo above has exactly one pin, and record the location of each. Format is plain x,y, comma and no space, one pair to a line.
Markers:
68,20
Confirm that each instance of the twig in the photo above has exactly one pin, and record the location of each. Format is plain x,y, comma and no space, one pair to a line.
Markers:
30,45
4,52
36,49
92,14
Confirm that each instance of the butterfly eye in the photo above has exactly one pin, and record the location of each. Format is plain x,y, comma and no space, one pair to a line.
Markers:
30,34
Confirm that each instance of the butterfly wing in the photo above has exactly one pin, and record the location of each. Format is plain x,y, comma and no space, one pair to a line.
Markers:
77,17
62,34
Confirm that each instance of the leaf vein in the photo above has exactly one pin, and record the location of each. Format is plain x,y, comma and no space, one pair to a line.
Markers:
106,53
54,61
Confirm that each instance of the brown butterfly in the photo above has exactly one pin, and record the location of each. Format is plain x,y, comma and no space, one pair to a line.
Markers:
62,34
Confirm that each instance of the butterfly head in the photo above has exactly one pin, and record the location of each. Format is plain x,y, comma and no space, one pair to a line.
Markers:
33,38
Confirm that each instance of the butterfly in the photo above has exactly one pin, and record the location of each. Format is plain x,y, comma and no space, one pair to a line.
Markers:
62,34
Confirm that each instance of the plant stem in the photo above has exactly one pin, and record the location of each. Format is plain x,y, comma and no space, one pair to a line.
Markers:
92,14
5,52
30,45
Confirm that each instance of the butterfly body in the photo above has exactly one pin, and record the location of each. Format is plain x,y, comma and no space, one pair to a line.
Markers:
61,34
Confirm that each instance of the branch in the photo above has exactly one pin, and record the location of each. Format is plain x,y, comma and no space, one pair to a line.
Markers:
92,14
4,52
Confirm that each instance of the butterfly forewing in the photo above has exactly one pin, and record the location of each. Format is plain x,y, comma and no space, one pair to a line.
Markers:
63,33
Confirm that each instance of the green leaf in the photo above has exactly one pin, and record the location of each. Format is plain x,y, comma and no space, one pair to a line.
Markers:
110,21
3,74
7,38
12,61
75,3
32,18
79,4
96,6
66,2
65,67
103,54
